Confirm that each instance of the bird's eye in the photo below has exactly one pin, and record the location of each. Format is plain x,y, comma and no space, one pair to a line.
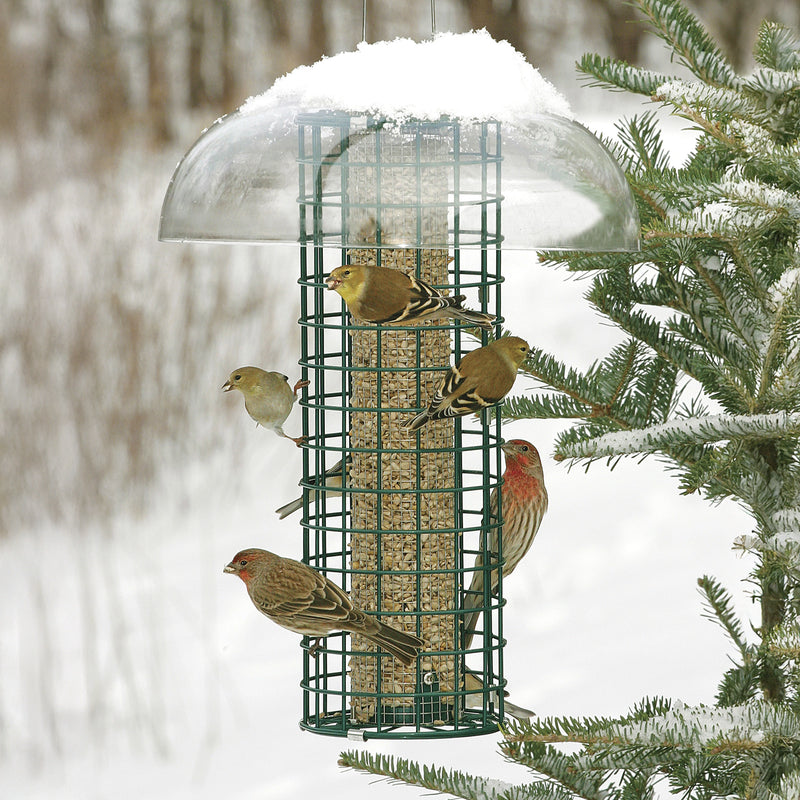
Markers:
524,448
243,562
237,377
347,272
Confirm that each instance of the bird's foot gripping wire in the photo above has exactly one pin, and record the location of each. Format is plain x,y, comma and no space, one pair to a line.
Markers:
312,651
299,385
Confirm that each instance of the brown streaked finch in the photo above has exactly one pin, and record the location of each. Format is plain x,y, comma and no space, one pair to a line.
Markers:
387,296
303,600
268,398
331,482
482,378
524,499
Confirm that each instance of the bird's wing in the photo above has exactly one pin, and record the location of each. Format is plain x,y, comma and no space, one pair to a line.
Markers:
423,301
404,298
456,396
314,599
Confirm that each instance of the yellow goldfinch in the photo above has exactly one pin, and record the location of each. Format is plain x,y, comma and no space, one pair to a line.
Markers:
388,296
332,480
268,397
482,378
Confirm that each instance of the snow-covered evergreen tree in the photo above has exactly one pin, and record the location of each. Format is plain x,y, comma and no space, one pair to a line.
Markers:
708,380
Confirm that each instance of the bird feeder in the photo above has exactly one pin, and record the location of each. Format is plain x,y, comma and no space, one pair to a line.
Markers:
435,177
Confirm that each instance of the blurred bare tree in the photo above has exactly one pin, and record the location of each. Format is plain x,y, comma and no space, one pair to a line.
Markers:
100,98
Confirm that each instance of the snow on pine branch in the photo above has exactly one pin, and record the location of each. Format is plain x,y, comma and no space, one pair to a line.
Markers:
781,538
702,727
695,94
723,220
761,195
692,431
772,82
785,545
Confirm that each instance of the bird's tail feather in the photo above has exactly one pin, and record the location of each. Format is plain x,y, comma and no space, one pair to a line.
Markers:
474,317
289,508
474,698
472,600
418,421
518,712
403,646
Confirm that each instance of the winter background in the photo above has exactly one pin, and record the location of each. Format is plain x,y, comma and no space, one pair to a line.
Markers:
130,666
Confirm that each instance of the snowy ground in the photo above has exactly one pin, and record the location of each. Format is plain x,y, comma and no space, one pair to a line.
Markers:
133,668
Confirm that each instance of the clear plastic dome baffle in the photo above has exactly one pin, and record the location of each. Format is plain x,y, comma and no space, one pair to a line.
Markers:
561,188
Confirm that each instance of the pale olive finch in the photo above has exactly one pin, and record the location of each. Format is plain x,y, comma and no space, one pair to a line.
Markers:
388,296
482,378
303,600
331,482
268,398
524,504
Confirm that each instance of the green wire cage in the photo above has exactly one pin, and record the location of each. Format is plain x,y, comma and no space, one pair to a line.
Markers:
402,536
441,199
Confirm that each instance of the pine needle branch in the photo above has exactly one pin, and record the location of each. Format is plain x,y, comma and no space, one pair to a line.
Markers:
718,609
402,770
689,41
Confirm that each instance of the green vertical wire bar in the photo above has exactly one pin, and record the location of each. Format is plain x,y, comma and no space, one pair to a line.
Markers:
419,706
304,355
379,705
316,147
379,534
458,587
498,294
489,523
344,177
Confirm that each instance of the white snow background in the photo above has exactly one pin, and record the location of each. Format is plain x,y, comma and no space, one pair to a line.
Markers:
604,611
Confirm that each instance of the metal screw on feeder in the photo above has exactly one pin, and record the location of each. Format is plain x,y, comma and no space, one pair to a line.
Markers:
432,158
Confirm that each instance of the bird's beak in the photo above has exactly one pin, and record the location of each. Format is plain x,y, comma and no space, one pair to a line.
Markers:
230,568
227,386
332,282
507,448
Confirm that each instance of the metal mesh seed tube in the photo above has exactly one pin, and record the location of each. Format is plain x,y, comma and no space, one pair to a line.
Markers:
402,540
403,535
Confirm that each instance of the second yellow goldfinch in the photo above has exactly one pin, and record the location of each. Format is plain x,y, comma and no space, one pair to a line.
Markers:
482,378
268,398
331,482
388,296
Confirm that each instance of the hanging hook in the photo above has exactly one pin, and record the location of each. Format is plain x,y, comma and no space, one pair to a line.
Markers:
364,21
433,17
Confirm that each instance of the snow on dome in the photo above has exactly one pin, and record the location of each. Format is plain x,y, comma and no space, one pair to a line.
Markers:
464,76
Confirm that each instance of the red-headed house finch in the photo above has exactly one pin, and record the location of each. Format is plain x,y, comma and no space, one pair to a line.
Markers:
268,398
482,378
302,600
524,504
388,296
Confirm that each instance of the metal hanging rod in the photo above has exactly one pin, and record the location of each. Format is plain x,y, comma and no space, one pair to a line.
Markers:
364,19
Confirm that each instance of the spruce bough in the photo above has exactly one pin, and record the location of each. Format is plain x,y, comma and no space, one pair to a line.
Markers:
707,380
